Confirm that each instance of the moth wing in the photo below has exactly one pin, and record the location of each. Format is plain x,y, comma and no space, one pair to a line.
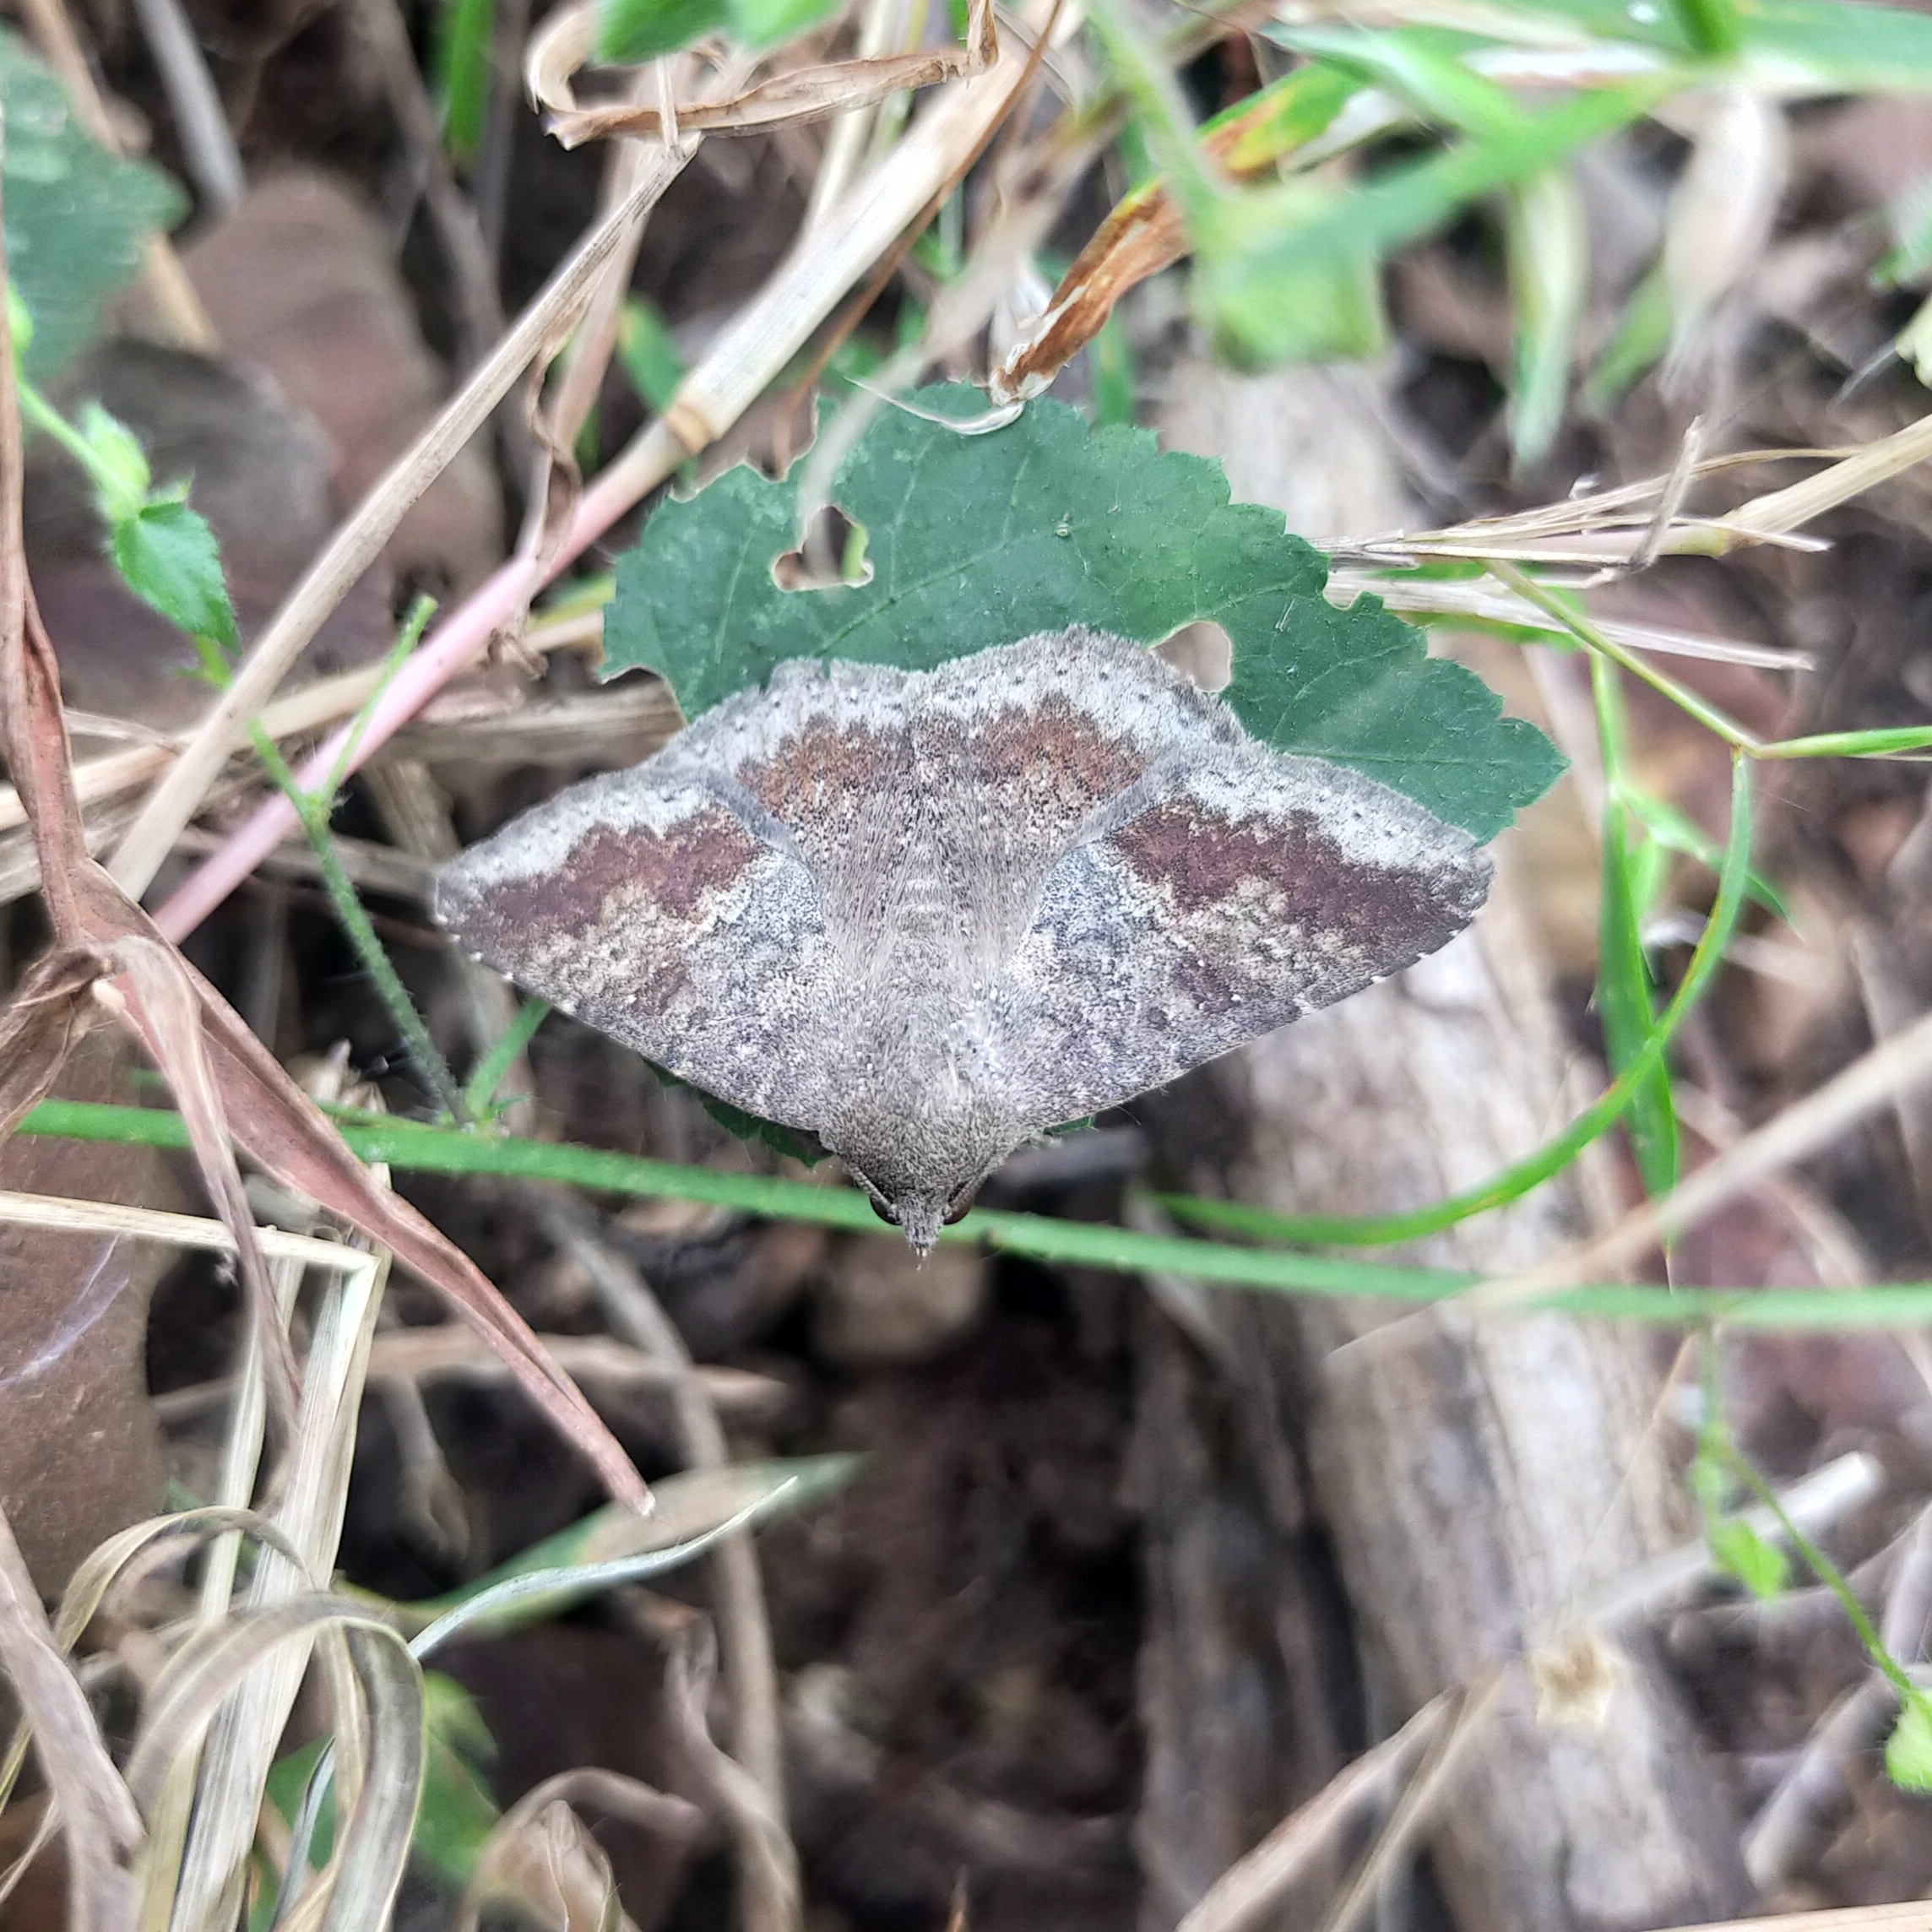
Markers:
644,903
1255,887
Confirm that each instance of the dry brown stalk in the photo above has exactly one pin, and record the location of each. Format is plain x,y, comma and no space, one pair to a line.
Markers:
789,99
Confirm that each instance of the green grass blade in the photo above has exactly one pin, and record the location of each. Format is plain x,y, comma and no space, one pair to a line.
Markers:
461,65
1624,1008
1888,1305
495,1064
1548,248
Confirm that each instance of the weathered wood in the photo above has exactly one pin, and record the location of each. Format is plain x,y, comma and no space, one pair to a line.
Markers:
1476,1482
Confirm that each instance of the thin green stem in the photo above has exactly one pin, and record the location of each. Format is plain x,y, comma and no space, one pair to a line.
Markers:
42,416
407,638
422,1147
313,810
489,1069
1336,1230
1827,1573
1580,627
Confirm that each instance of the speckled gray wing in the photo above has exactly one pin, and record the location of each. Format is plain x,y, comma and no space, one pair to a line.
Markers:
1253,887
660,906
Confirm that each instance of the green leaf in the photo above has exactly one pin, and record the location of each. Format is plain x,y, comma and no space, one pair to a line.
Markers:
1710,27
170,559
802,1147
1262,252
771,23
455,1816
1624,1006
980,540
1833,47
76,217
1909,216
1111,358
461,64
1674,832
1637,344
116,462
648,354
1908,1749
1738,1550
641,30
630,30
1549,278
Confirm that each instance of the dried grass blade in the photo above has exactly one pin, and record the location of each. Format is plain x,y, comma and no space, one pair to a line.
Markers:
210,1664
784,101
374,1844
40,1026
1782,511
1252,1887
102,1825
267,1114
162,1007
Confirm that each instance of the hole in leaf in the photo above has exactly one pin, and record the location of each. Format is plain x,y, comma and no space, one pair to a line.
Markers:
833,554
1202,653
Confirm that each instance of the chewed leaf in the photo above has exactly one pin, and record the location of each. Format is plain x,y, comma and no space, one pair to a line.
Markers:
977,541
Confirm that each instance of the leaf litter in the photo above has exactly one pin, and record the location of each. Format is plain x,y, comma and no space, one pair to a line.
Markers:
1041,1489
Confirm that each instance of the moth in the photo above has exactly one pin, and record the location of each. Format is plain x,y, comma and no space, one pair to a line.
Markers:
926,915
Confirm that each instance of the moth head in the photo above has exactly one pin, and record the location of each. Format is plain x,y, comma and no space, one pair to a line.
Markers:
921,1156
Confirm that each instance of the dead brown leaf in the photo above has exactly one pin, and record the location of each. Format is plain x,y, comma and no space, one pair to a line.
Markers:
224,1080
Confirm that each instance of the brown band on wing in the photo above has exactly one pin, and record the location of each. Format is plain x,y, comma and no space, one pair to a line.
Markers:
823,773
677,871
1054,761
1201,859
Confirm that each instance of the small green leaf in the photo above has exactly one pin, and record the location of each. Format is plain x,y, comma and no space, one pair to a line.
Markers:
1112,358
19,324
1262,251
461,65
648,354
1738,1550
1909,216
760,23
170,559
1908,1749
980,540
1548,278
456,1814
629,30
1637,344
1710,27
77,218
1672,831
788,1140
116,462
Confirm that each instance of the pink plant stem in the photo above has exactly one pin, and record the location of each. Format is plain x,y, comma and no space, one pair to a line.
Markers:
451,646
